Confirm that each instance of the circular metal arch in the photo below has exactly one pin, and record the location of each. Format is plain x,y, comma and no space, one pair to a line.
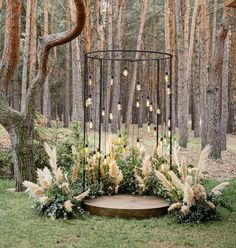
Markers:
128,56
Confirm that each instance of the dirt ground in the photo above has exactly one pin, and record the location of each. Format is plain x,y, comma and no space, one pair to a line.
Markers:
222,169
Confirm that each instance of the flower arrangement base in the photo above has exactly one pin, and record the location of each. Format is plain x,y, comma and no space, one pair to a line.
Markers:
127,206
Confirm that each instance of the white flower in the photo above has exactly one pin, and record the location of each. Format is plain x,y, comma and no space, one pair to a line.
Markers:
185,210
68,206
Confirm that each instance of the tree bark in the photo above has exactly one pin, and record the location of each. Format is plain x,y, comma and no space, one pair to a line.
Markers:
143,17
224,95
109,64
68,72
215,87
116,89
25,56
232,80
182,82
77,83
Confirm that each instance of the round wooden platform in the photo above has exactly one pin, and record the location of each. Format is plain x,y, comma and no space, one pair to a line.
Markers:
127,206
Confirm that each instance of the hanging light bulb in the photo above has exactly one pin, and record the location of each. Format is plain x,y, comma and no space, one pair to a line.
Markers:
124,148
164,140
88,101
91,124
111,116
158,111
169,132
138,142
138,87
125,72
161,142
119,139
90,82
148,102
155,131
103,112
112,80
105,160
86,149
119,107
98,153
168,91
149,127
137,103
94,155
166,77
168,123
151,107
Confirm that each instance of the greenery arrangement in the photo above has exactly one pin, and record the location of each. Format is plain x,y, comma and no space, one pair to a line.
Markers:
191,202
125,170
57,193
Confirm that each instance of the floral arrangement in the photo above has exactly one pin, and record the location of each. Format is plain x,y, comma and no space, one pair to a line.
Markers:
126,170
56,192
191,202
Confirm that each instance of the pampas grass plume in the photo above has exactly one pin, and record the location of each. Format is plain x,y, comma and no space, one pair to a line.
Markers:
185,210
217,190
175,180
82,196
164,181
175,206
68,206
188,195
52,156
34,190
58,175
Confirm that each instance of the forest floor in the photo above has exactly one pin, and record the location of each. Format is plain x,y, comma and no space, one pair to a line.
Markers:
221,169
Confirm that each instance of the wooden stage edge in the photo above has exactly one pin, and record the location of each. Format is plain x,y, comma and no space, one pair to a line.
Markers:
127,206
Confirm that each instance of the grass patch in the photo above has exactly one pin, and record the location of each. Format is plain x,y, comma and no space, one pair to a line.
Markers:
20,227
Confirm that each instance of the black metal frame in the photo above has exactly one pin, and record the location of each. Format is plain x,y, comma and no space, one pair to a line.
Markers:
105,55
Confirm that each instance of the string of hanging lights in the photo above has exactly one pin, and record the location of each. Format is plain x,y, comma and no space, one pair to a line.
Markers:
143,100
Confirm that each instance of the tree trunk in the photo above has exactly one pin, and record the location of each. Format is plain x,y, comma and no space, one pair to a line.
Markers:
173,43
214,26
196,81
116,89
20,126
68,72
33,40
134,76
25,56
109,64
232,80
77,83
204,79
224,95
182,82
215,87
22,135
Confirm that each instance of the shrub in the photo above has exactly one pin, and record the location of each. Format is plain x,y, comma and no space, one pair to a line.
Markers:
190,200
6,164
55,193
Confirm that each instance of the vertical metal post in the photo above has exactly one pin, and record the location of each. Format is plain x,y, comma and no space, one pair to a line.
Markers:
158,100
100,117
84,127
171,95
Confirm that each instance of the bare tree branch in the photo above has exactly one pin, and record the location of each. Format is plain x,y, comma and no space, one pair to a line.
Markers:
49,42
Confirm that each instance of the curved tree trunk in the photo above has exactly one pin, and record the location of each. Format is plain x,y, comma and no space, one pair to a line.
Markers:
20,126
